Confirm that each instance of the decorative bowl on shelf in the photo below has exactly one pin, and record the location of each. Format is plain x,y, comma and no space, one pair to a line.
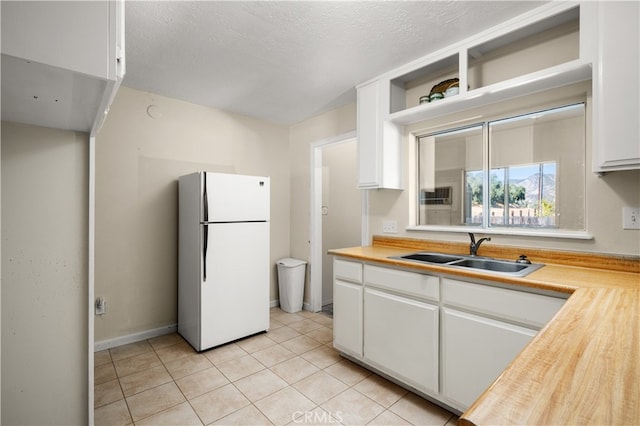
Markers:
444,89
444,85
451,91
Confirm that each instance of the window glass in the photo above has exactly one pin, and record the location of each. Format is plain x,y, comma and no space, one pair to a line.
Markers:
444,161
534,176
533,158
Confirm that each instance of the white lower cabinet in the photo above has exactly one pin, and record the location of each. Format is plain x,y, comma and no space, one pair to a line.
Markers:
484,328
347,317
446,338
347,307
401,338
475,350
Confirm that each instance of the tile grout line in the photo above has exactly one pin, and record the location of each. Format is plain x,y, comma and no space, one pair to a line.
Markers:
214,366
310,317
176,384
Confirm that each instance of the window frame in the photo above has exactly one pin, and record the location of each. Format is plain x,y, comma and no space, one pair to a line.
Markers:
484,121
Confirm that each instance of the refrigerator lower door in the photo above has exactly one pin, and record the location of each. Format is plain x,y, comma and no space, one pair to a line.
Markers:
234,300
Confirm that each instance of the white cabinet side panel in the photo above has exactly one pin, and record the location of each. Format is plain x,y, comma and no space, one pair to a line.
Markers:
189,256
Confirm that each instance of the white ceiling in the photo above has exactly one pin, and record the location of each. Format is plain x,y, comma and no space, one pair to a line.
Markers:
285,61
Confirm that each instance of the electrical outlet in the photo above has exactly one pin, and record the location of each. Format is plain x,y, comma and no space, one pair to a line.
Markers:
631,218
101,306
390,227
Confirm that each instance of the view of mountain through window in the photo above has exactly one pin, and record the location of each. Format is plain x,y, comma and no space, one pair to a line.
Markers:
519,195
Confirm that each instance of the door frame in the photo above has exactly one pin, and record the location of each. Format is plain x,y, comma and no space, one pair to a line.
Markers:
315,243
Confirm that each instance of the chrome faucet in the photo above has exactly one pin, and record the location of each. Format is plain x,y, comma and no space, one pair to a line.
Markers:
473,247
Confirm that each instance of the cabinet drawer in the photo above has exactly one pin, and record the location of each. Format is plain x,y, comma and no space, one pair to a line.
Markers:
350,271
409,283
527,308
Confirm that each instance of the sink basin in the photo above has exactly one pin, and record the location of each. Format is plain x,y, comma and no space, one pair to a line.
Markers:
484,264
432,257
492,265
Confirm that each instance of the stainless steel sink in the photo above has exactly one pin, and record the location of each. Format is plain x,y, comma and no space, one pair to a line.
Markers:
432,257
484,264
492,265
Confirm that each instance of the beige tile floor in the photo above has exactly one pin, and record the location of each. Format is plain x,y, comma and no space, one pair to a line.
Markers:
289,375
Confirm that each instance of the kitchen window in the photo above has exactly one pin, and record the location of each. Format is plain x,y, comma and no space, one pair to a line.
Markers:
514,174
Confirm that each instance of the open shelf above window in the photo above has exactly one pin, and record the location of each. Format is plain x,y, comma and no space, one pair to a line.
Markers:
541,51
558,76
407,89
540,45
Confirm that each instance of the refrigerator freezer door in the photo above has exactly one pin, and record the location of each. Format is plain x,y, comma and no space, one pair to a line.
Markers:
235,198
235,297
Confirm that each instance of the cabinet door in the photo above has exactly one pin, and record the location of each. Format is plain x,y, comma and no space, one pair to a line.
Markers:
68,35
617,87
379,140
347,317
475,350
401,338
368,124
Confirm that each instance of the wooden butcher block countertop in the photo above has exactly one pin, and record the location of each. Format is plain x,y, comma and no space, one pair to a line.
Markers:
583,368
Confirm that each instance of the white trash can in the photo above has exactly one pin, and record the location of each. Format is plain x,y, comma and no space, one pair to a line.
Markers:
291,283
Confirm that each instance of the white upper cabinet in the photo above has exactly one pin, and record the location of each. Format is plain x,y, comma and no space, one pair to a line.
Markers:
616,95
69,35
555,45
379,140
61,61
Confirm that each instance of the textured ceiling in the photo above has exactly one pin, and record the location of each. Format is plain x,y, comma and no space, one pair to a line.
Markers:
287,61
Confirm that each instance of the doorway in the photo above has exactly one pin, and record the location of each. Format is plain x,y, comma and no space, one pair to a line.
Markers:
338,209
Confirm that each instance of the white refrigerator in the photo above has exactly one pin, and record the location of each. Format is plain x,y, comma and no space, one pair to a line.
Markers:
223,257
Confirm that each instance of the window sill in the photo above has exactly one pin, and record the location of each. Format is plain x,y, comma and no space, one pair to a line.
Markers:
544,233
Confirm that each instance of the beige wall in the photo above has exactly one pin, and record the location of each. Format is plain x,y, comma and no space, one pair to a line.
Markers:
301,136
138,161
44,275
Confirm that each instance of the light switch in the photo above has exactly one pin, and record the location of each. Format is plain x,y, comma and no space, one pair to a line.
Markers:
631,218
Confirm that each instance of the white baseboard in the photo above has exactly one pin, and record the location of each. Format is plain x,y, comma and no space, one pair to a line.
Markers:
135,337
143,335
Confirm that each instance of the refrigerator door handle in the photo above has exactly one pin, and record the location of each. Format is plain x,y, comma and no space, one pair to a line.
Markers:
205,240
205,200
